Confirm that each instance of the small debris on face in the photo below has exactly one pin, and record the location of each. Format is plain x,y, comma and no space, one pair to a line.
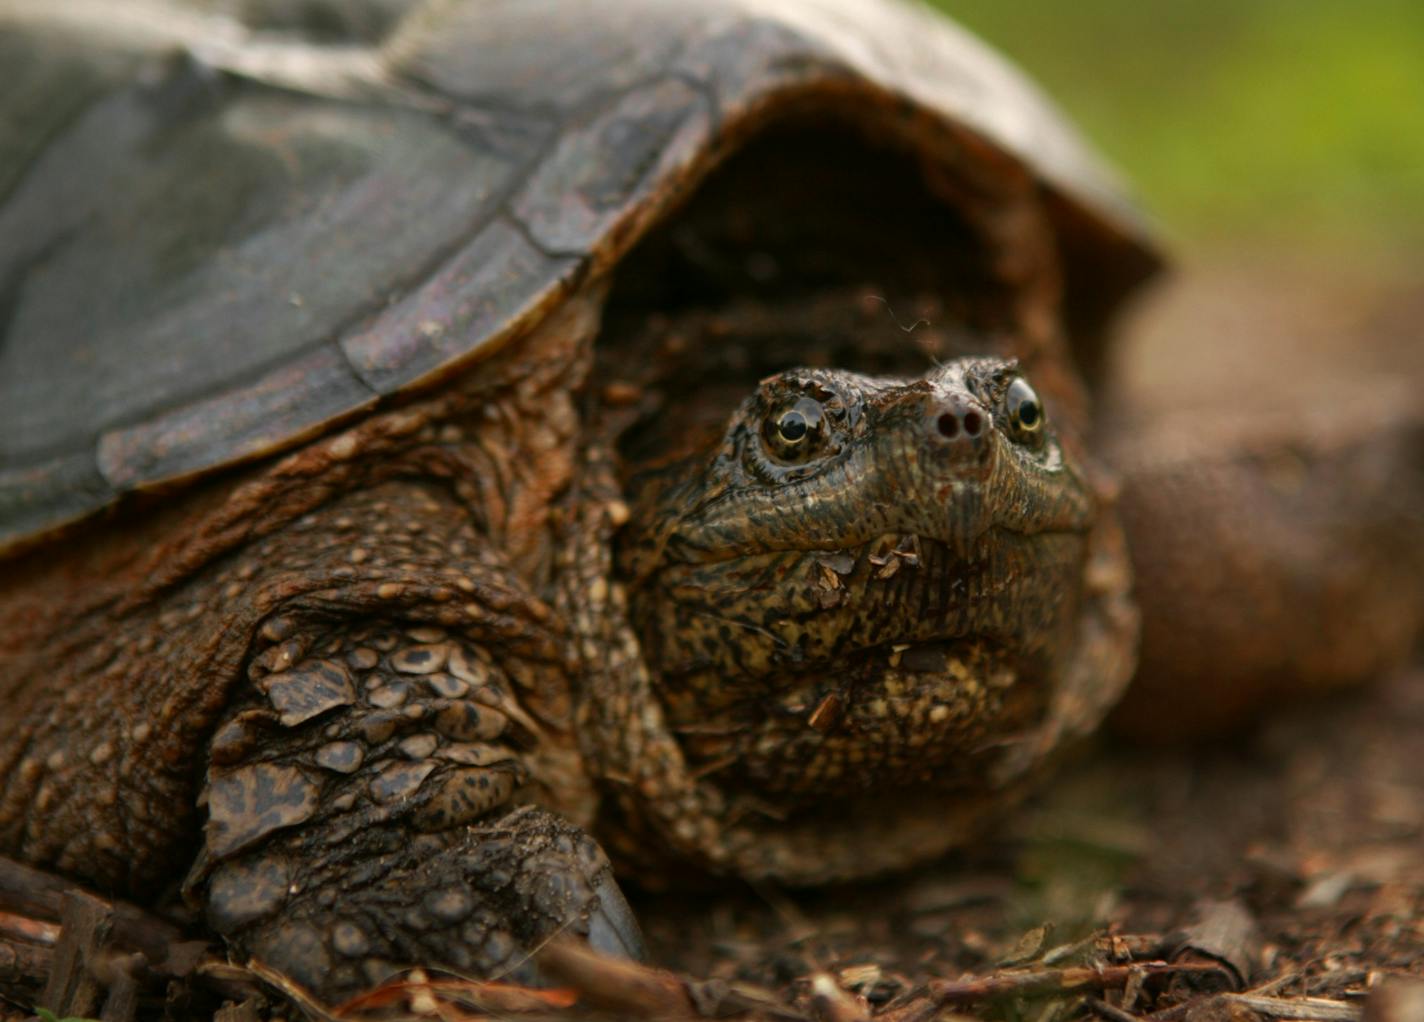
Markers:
908,550
888,569
826,714
621,393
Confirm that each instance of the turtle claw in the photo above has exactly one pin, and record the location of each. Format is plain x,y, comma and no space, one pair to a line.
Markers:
479,902
612,927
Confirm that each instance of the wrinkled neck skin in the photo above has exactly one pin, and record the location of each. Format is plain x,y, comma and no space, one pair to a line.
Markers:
867,583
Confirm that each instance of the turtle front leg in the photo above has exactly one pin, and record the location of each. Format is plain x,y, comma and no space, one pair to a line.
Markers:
368,794
362,818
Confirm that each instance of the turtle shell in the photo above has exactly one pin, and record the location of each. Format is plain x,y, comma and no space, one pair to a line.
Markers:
217,240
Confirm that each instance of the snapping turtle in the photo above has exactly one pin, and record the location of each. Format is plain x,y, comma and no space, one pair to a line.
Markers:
428,447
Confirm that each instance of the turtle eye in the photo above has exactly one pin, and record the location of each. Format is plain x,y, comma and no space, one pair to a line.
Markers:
794,433
792,427
1025,410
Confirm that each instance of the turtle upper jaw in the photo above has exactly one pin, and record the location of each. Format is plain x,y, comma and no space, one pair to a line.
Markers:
963,492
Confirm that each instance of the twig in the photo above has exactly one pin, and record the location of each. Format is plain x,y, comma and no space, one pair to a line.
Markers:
22,964
943,993
492,996
831,1003
1105,1010
292,991
1275,986
84,929
121,1002
40,896
1304,1009
1132,989
32,931
1052,981
1309,1009
615,983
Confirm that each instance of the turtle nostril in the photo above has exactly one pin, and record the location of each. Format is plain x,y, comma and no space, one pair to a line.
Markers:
948,424
972,423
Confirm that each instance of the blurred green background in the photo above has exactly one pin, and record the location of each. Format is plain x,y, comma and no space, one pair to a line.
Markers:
1286,121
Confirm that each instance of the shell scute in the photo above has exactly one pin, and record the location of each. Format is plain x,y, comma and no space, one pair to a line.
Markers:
249,803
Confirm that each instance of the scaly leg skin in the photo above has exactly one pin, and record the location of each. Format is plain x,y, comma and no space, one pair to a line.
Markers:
363,789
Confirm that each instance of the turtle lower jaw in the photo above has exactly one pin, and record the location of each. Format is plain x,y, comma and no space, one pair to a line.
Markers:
954,526
903,714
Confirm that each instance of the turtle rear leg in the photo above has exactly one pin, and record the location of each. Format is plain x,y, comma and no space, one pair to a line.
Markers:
382,791
1274,556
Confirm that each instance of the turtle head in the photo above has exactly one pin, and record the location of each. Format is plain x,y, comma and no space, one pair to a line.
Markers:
845,526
